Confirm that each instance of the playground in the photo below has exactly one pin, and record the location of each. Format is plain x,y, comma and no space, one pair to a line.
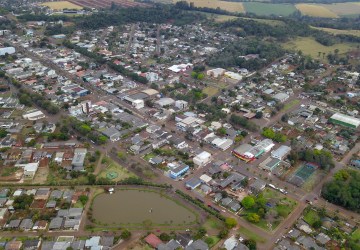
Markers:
303,174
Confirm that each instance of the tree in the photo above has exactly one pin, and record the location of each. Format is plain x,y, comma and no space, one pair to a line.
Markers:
248,202
317,224
251,244
83,199
165,237
3,133
268,133
253,217
125,234
259,115
209,241
230,222
223,233
221,131
91,179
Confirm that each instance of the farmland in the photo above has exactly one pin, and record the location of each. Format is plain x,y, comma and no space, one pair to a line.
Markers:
101,4
228,6
344,9
311,47
315,10
339,32
267,9
60,5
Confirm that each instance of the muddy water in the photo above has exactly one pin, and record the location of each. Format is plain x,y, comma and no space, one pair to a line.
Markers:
137,206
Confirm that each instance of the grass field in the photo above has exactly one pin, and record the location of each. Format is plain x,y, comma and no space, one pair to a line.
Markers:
212,223
267,9
250,235
356,235
121,172
339,32
291,104
210,91
60,5
228,6
315,10
311,217
309,46
344,9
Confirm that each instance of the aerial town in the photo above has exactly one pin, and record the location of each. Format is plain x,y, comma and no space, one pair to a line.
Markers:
143,125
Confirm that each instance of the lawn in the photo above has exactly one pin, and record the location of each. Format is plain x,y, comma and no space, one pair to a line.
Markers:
228,6
309,46
250,235
267,9
339,32
212,223
120,173
315,10
311,217
210,91
148,156
215,240
291,104
60,5
356,235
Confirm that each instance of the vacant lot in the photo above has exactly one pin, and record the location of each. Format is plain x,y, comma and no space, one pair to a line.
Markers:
228,6
267,9
210,91
344,9
311,47
315,10
311,216
339,32
60,5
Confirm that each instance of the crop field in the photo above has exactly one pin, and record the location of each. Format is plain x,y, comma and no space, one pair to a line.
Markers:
267,9
344,9
228,6
339,32
60,5
315,10
101,4
311,47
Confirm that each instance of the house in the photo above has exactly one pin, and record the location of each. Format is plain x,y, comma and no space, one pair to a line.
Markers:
281,152
30,169
112,133
107,241
56,223
234,206
230,243
14,224
40,225
42,194
226,201
156,160
178,142
93,243
218,72
33,244
79,158
193,183
205,189
202,159
3,213
257,186
197,245
281,97
26,224
153,240
181,104
172,244
138,104
13,245
179,171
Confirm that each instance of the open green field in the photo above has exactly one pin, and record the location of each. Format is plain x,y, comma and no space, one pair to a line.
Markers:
212,223
339,32
60,5
291,104
228,6
311,217
310,47
344,9
315,10
268,9
210,91
250,235
356,235
120,173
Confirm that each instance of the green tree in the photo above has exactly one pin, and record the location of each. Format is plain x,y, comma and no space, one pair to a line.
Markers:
3,133
248,202
209,241
253,217
165,237
83,199
125,234
230,222
223,233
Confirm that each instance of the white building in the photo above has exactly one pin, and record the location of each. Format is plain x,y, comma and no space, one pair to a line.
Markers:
215,72
281,152
281,97
202,159
138,104
180,104
33,115
7,50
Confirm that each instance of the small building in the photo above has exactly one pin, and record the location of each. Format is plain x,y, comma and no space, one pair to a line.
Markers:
345,120
153,240
138,104
270,164
281,152
163,102
3,213
33,244
202,159
193,183
79,158
13,245
179,171
218,72
281,97
34,115
112,133
7,50
197,245
181,104
257,186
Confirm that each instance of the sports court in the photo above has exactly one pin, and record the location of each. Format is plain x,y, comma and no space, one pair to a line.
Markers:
302,174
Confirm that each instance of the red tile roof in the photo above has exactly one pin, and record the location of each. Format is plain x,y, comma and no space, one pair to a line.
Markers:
153,240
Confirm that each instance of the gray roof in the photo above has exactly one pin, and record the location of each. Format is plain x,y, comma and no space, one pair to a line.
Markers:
197,245
56,194
51,204
26,224
107,241
226,201
47,245
78,244
56,223
233,178
14,223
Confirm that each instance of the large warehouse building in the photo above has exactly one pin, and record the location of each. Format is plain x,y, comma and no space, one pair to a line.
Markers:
345,120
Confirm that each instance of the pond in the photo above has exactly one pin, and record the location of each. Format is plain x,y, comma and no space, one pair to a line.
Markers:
138,207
